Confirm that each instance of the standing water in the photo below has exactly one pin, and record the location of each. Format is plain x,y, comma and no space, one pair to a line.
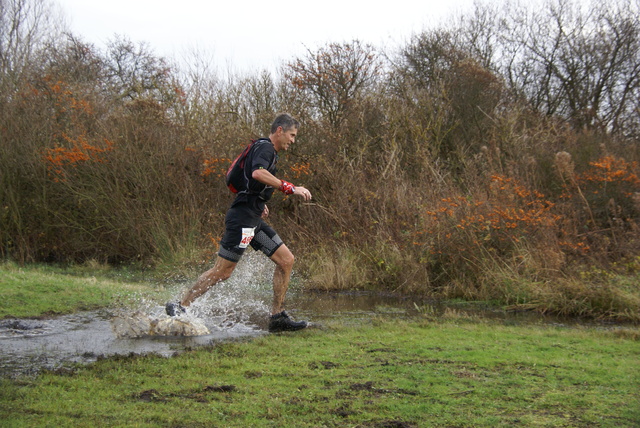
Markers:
234,309
237,308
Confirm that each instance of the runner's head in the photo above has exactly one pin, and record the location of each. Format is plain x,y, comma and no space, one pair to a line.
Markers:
286,121
283,131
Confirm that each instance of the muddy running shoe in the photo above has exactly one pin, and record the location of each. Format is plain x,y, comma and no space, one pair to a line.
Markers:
282,322
174,309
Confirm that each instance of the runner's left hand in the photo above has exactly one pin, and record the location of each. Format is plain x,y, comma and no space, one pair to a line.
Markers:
304,192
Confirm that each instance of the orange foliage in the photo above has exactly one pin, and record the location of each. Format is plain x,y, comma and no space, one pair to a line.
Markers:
215,166
612,170
510,212
72,145
59,158
300,169
65,99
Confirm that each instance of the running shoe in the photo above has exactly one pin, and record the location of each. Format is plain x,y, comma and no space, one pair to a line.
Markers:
174,309
282,322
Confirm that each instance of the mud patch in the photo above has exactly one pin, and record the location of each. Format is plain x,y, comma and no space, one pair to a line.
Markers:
220,388
150,395
201,396
367,386
327,365
393,424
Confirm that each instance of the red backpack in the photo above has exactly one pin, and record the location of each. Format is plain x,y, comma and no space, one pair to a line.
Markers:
236,179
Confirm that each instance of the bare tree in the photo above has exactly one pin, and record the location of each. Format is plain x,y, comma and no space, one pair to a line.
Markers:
442,74
335,75
134,71
577,64
25,26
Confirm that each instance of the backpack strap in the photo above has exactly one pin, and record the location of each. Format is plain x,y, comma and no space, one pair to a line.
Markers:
244,169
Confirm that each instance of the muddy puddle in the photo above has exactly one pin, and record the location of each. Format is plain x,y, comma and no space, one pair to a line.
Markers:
237,309
28,346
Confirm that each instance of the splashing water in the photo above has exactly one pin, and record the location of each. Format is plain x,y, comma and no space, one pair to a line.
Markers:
233,309
241,299
237,304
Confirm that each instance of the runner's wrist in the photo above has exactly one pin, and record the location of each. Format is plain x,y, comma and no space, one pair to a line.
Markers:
286,187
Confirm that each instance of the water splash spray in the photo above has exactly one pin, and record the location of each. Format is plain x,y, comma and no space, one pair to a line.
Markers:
236,305
241,300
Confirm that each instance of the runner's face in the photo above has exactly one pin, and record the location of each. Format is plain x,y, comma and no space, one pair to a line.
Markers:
286,138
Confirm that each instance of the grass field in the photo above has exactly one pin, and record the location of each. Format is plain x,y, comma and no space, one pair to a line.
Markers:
41,290
387,373
448,371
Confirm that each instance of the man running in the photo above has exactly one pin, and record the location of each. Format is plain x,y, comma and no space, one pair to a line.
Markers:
245,225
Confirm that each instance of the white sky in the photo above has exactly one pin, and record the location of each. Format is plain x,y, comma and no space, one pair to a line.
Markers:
250,35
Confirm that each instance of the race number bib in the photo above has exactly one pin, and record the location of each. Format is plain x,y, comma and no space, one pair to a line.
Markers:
247,236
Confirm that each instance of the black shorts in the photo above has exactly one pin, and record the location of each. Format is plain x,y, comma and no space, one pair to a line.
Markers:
243,228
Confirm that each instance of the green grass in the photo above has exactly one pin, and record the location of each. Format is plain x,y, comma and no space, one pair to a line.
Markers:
451,371
35,291
387,373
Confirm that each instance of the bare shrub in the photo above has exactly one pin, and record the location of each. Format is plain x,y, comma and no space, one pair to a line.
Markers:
491,160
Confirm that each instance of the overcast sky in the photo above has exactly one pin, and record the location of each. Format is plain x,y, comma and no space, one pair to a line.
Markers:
249,34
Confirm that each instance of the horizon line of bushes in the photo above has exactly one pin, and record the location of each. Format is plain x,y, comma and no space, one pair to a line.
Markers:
494,157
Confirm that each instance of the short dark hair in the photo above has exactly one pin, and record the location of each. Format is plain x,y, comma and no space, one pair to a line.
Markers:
286,121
